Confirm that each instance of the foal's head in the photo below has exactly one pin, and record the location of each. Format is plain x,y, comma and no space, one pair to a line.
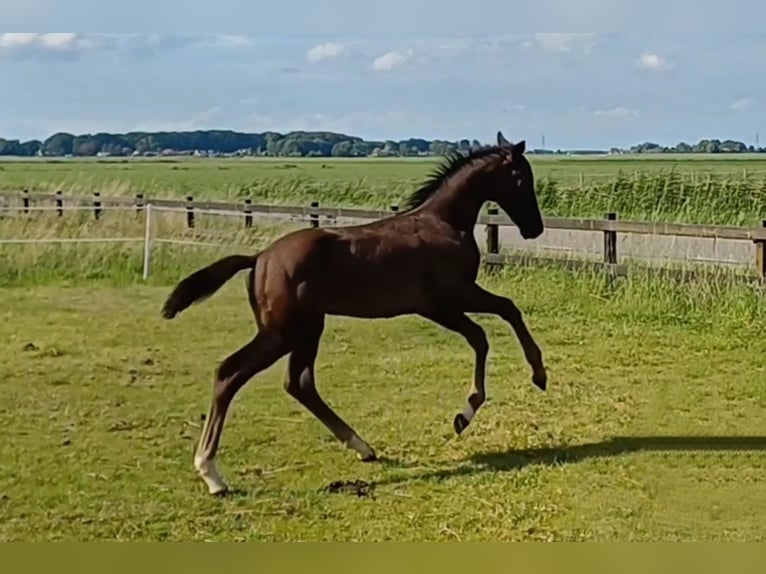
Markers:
498,173
514,188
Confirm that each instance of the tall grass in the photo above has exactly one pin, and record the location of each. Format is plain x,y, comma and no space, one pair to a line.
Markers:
672,196
651,196
641,298
120,263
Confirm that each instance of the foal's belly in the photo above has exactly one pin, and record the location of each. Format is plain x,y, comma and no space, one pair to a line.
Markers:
367,297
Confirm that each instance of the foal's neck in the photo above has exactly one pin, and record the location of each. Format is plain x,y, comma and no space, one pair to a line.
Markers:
461,198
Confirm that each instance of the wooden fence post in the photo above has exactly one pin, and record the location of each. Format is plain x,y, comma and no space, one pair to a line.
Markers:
760,256
610,242
189,211
59,203
314,217
248,213
139,202
25,200
97,204
493,235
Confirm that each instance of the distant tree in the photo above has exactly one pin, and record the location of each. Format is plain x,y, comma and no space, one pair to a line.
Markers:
59,144
343,149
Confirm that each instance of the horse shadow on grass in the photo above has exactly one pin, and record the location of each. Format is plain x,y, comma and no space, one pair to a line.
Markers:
513,459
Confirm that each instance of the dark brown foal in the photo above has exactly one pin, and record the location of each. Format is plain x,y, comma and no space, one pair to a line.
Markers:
422,261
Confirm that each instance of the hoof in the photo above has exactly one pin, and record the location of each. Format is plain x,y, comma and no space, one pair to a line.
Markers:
460,423
363,451
220,492
540,380
372,457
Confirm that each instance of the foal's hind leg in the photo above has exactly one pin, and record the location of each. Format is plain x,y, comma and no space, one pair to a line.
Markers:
239,367
478,300
301,385
454,320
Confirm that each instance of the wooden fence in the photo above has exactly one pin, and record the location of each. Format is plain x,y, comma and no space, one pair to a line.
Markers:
610,226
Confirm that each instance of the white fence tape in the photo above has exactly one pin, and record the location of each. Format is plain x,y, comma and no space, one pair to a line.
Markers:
73,240
101,208
149,239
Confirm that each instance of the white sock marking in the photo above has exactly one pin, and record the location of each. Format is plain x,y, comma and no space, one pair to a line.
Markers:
209,473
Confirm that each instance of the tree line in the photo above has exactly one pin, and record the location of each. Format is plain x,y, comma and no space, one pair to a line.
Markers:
702,146
224,142
292,144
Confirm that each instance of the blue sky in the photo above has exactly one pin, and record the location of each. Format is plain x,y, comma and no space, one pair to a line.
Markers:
580,89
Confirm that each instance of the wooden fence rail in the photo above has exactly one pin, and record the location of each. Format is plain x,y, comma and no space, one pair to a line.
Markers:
610,226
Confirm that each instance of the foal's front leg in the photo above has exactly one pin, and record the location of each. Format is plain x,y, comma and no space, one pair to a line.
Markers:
453,319
478,300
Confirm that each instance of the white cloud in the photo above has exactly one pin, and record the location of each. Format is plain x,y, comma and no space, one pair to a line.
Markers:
17,40
61,40
232,41
55,42
653,62
563,41
390,60
742,104
324,51
619,113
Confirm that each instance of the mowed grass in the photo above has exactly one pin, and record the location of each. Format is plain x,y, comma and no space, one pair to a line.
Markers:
102,400
712,188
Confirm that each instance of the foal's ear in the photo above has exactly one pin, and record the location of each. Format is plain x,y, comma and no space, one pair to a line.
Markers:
502,141
520,147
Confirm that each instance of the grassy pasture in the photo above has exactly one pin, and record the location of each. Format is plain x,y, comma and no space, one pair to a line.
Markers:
104,399
654,388
710,189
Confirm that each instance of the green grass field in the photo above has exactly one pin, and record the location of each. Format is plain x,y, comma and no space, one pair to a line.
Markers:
651,428
709,189
103,400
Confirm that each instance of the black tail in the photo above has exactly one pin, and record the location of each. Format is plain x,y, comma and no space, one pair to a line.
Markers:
203,283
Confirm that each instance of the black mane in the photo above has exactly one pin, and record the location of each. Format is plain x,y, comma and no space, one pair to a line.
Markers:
454,161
